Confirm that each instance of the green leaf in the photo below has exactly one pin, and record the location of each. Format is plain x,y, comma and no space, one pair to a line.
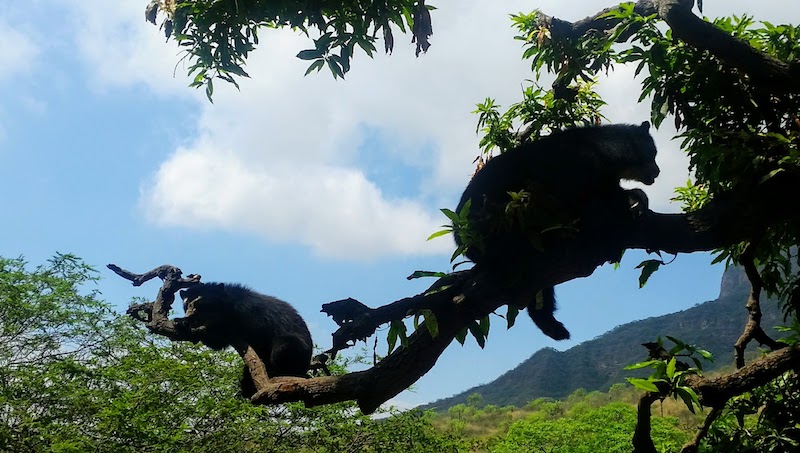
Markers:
450,215
689,397
643,384
236,69
640,365
423,274
475,330
461,336
391,337
210,90
335,68
484,325
464,212
511,315
431,323
439,233
315,65
459,251
706,355
770,175
310,54
671,368
648,267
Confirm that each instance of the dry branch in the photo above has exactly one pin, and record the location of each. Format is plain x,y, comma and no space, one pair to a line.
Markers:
156,313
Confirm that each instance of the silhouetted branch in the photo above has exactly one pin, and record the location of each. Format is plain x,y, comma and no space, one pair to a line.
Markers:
752,330
715,392
642,442
702,431
771,73
156,313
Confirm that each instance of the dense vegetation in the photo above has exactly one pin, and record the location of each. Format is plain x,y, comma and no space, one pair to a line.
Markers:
583,422
75,377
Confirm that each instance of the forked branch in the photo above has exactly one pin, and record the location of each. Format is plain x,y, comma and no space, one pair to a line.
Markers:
771,73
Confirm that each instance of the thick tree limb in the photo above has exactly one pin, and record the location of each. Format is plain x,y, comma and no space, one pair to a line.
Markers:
642,442
731,218
717,391
771,73
254,364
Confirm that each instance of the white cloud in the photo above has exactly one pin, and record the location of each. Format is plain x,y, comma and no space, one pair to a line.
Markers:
334,210
281,158
18,52
18,56
122,50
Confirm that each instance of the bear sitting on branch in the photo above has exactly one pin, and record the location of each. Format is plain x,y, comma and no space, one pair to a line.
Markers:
549,188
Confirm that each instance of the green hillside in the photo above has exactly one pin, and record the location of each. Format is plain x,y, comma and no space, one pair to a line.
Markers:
597,364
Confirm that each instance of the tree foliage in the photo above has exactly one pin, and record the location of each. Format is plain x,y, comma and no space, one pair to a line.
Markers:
584,429
218,35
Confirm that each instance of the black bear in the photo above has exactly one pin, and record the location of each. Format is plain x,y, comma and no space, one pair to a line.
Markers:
547,185
232,313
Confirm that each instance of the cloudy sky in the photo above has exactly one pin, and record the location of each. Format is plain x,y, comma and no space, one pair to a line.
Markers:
306,188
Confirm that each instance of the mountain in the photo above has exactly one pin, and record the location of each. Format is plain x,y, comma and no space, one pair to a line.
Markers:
597,364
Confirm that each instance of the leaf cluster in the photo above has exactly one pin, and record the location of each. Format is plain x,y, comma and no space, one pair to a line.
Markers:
218,35
765,419
540,111
669,373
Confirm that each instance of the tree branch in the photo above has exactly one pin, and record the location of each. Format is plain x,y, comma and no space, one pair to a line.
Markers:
156,313
717,391
694,444
771,73
642,442
752,330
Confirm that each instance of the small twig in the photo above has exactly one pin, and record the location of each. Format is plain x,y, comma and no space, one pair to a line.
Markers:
702,431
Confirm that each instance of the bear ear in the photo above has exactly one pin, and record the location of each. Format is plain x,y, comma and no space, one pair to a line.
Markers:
645,125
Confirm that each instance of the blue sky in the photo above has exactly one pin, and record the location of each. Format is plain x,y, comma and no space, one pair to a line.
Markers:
305,188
